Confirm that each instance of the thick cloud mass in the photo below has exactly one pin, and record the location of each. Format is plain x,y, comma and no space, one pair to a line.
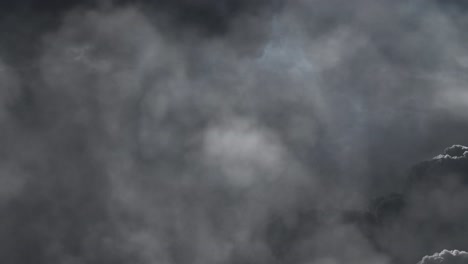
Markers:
451,166
231,131
446,257
430,214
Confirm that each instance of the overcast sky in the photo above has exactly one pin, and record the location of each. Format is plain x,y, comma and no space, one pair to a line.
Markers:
233,131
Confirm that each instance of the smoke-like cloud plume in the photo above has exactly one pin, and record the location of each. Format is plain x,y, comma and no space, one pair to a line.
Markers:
230,131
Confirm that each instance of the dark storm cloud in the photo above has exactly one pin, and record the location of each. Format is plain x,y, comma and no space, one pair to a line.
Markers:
452,165
213,16
430,214
224,131
24,23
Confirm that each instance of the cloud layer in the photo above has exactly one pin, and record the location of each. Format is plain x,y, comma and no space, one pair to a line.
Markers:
229,131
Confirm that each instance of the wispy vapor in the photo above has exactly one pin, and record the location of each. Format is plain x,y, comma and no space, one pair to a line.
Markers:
223,131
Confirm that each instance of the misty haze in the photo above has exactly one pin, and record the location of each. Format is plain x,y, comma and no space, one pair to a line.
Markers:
233,132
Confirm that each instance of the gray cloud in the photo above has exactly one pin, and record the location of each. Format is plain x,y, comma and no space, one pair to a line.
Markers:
446,256
429,214
227,132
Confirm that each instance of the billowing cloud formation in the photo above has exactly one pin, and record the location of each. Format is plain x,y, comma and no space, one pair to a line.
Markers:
228,131
446,257
451,166
430,213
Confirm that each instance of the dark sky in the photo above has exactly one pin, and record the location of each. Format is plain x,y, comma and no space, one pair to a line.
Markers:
232,131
